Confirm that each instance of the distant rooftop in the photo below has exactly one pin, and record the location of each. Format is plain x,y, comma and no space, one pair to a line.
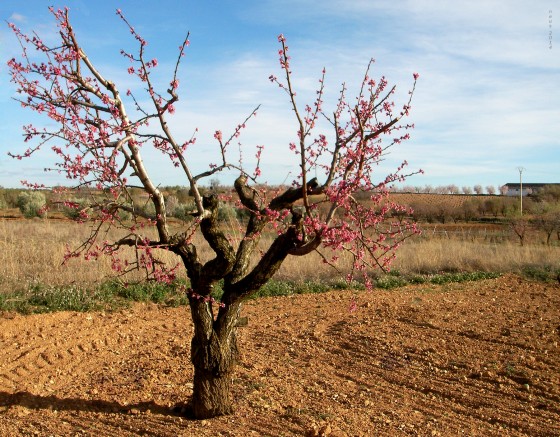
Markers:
530,184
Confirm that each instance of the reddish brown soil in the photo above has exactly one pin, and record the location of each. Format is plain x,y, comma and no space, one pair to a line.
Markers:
464,359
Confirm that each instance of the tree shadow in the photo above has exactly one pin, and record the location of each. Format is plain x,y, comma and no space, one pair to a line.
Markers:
37,402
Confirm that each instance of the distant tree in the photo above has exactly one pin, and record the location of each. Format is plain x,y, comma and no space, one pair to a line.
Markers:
504,190
443,212
100,133
428,189
519,225
492,206
547,219
423,211
215,184
548,193
75,209
10,197
478,189
453,189
490,189
470,209
456,212
467,190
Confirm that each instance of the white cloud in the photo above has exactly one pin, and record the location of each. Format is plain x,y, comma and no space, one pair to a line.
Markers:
19,18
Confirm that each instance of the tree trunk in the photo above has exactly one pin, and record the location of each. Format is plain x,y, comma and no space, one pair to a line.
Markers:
214,350
214,354
211,394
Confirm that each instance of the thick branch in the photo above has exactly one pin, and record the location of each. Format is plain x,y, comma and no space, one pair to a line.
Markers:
268,264
222,264
306,248
253,232
292,195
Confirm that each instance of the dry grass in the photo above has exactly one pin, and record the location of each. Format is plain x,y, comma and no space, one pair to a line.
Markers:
31,252
443,254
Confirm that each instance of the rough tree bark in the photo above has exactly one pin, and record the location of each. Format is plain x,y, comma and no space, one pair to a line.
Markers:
214,354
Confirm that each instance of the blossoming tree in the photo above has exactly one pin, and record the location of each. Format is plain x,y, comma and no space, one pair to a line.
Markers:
100,135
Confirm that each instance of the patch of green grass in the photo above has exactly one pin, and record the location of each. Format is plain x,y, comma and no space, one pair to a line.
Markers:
341,284
113,295
390,281
393,280
417,279
41,299
446,278
147,292
544,273
166,294
276,288
288,288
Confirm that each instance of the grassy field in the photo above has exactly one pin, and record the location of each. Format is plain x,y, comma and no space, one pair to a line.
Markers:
31,253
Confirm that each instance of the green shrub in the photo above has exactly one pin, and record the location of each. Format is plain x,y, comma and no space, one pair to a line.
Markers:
171,203
226,212
73,212
390,281
9,197
243,214
148,209
182,211
544,273
31,203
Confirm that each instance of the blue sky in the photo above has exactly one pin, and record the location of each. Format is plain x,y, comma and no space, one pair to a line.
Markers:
487,101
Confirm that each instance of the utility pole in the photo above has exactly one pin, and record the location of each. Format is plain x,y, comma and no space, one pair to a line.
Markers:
520,169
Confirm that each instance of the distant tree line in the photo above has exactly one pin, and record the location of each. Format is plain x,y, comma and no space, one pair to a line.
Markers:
179,202
451,189
541,210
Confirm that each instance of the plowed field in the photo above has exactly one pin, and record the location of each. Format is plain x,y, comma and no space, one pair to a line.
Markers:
477,359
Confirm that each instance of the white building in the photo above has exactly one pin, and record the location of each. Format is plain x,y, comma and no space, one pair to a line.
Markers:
514,189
